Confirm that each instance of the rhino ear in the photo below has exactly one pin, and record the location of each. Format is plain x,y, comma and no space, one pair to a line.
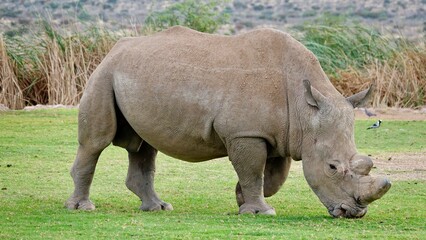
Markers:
313,97
361,98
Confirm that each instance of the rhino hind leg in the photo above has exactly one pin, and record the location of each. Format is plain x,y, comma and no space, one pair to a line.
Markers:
95,133
248,156
140,178
275,174
82,173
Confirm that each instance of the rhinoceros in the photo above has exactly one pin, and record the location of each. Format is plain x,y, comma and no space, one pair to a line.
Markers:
261,98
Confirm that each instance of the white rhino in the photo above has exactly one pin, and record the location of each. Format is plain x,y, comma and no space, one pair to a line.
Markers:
260,98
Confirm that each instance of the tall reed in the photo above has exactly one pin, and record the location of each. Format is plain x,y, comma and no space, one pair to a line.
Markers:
355,56
10,92
51,67
399,82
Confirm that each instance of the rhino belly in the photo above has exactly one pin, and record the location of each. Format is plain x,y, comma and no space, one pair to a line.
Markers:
177,120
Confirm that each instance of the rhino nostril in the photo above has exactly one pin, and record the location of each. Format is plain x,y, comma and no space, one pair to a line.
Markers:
353,212
358,202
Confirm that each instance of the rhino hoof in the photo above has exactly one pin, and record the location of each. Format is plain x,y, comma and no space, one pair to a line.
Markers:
269,212
244,209
86,205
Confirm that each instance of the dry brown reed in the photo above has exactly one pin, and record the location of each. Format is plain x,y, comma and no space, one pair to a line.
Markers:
10,92
53,68
50,68
66,68
399,82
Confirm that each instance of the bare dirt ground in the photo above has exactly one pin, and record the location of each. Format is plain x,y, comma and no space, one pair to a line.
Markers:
401,166
405,114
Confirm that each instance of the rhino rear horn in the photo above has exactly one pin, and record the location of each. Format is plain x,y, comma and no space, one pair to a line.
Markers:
361,98
312,95
361,165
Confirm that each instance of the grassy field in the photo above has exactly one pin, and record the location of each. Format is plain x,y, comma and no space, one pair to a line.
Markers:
37,149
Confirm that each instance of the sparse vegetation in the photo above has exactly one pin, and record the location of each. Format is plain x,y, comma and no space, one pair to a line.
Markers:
367,13
53,65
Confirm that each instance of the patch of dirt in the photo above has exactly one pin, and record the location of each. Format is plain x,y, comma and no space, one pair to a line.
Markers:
401,166
406,114
3,107
40,106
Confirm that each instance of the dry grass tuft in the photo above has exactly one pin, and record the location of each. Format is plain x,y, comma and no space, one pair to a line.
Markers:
10,92
50,68
399,81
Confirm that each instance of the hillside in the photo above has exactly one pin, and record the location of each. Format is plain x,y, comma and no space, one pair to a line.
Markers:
397,16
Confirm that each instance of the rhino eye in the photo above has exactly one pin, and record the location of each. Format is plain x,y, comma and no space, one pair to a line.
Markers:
332,166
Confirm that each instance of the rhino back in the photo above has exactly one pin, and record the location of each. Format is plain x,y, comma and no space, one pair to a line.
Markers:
187,93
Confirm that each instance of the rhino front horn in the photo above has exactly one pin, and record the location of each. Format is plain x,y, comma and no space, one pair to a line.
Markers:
375,190
361,165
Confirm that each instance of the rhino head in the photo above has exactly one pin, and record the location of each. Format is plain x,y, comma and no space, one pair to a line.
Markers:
334,170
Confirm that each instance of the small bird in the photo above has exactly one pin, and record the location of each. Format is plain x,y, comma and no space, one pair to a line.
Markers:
368,113
375,125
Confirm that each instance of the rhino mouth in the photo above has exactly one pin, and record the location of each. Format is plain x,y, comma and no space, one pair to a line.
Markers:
344,210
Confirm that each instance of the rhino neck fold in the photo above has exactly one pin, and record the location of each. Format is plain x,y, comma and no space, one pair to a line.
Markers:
293,146
287,135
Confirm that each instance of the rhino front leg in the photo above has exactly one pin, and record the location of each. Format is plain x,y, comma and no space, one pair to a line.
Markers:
248,156
140,178
275,174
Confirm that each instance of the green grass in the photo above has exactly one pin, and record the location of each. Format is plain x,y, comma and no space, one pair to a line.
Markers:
37,149
392,136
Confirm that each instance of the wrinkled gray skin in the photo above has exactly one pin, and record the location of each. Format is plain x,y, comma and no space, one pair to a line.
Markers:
260,98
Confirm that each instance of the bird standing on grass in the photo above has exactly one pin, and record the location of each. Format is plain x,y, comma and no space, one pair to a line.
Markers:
375,125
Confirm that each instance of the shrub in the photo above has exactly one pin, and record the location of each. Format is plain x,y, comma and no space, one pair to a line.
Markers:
200,16
258,7
309,13
366,13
